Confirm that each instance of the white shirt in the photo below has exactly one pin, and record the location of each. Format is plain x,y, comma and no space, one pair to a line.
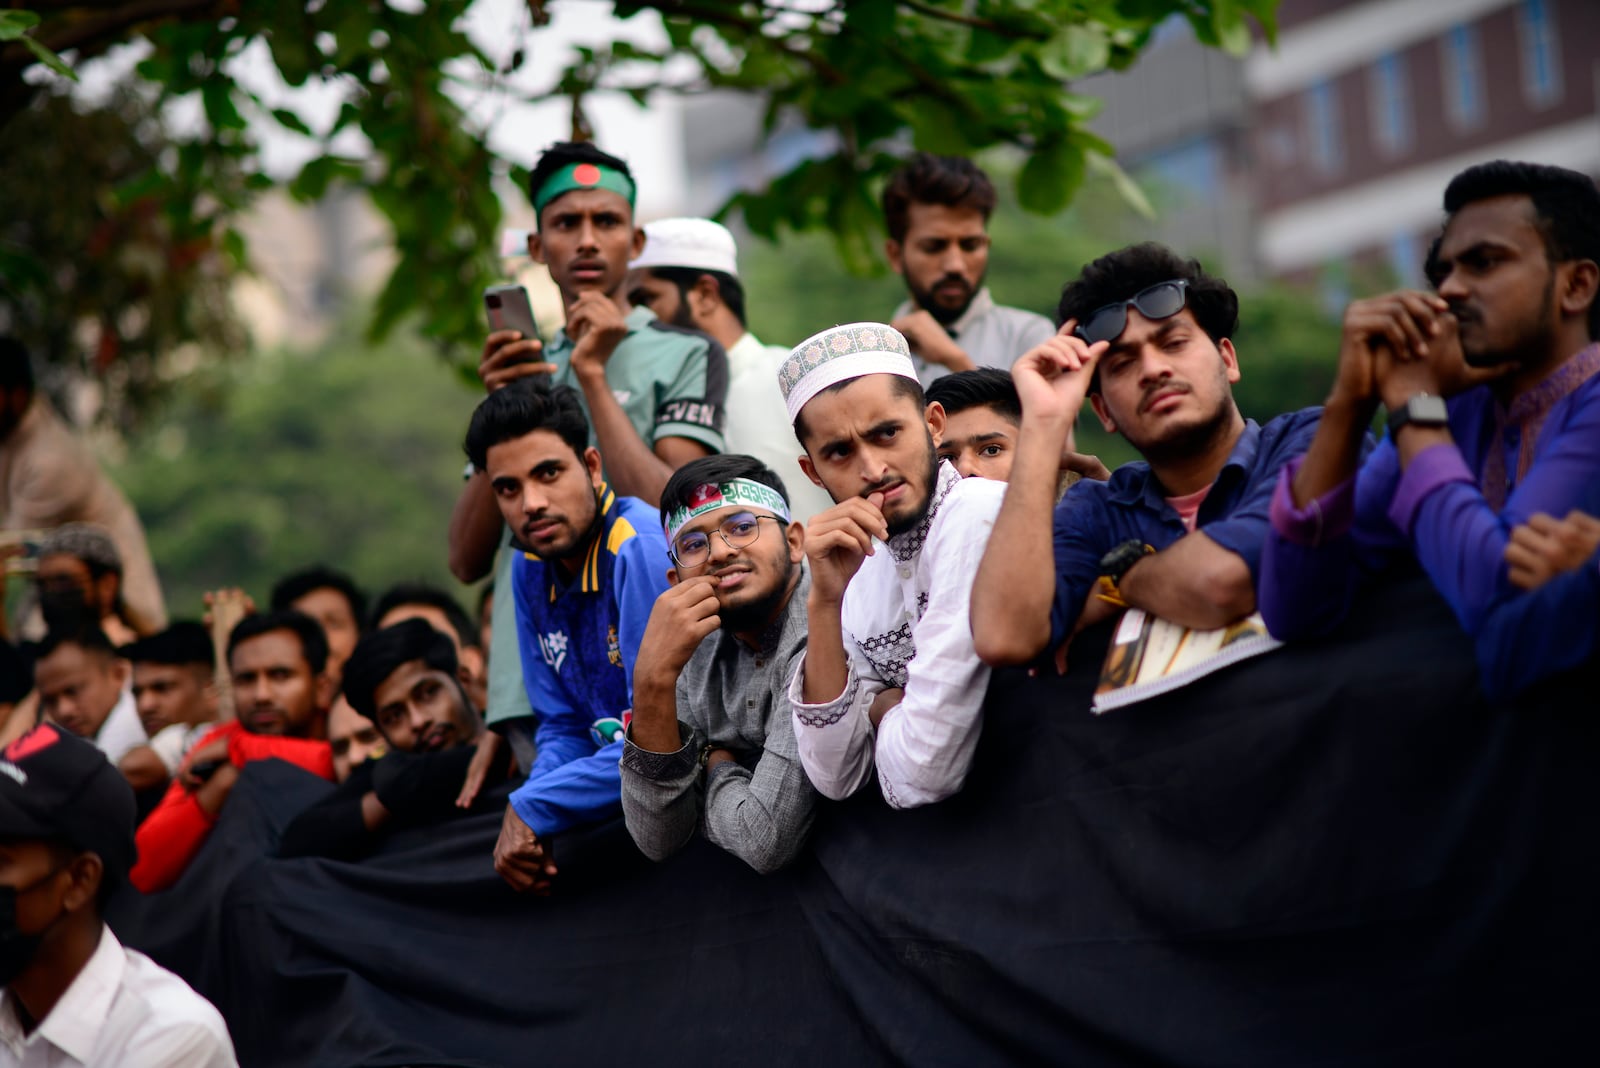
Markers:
122,1011
759,426
173,742
992,335
122,730
906,624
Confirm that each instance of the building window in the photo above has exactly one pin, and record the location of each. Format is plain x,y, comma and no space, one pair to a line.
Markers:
1541,57
1323,136
1463,77
1390,94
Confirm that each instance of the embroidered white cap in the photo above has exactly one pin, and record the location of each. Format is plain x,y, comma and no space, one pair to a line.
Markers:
839,354
698,244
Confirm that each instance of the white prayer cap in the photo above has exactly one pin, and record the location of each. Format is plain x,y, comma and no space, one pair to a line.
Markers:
839,354
698,244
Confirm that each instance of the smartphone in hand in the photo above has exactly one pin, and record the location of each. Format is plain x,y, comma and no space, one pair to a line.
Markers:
509,309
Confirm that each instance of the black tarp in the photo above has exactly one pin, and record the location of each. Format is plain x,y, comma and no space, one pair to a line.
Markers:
1336,854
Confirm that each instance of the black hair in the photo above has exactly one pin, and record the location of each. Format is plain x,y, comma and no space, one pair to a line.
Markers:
182,643
380,652
1124,273
715,469
313,641
16,370
984,387
1566,203
953,181
90,638
728,287
563,154
422,593
521,408
901,386
294,586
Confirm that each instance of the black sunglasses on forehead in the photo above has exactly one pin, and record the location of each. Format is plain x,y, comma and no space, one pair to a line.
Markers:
1160,301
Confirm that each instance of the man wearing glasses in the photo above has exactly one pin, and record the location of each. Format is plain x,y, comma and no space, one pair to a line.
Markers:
712,741
1145,335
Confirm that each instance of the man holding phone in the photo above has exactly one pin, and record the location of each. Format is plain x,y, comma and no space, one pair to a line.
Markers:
655,394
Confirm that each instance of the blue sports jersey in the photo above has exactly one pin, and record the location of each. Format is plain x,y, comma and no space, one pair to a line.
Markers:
579,636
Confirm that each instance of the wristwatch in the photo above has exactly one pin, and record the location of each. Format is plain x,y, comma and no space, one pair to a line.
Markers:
1115,564
1424,409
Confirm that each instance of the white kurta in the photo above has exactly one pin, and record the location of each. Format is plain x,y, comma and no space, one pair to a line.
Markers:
905,618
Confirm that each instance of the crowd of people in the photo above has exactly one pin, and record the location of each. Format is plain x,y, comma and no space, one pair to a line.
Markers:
725,582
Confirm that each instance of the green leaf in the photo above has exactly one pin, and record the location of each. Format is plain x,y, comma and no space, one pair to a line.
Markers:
1124,184
290,121
1050,177
13,24
1075,51
49,58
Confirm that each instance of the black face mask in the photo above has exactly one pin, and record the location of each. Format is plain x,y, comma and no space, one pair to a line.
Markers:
65,609
17,949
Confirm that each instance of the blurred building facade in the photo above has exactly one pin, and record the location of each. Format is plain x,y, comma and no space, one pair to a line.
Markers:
1364,111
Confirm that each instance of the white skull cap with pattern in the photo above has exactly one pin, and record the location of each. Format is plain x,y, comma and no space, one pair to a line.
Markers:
839,354
698,244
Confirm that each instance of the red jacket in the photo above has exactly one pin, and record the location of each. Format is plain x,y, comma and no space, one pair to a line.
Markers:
172,834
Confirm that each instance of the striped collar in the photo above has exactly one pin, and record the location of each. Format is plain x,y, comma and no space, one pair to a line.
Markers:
589,575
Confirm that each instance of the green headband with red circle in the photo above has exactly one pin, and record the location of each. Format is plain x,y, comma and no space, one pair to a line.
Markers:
583,176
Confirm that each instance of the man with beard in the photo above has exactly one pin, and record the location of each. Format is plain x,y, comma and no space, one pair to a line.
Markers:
278,664
889,676
1492,383
937,209
653,394
688,274
73,994
1145,334
404,679
712,742
49,478
588,573
82,686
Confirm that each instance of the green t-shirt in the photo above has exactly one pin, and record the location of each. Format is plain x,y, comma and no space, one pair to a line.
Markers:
671,381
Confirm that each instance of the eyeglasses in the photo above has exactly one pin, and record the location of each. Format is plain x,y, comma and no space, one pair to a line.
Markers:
738,530
1160,301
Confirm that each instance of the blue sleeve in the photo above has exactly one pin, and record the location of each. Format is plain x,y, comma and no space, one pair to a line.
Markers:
1305,587
1530,636
585,790
1082,535
640,576
557,741
1243,531
1460,540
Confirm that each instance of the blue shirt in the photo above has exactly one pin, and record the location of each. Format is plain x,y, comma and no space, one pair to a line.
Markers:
579,637
1453,510
1095,517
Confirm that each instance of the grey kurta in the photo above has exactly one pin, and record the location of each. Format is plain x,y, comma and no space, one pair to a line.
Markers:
730,696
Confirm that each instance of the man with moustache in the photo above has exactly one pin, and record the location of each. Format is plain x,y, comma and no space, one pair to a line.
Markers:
278,665
688,274
937,210
712,742
588,573
654,394
1146,335
889,678
1492,384
403,678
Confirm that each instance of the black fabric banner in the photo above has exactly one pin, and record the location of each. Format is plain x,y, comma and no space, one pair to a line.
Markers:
1335,854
